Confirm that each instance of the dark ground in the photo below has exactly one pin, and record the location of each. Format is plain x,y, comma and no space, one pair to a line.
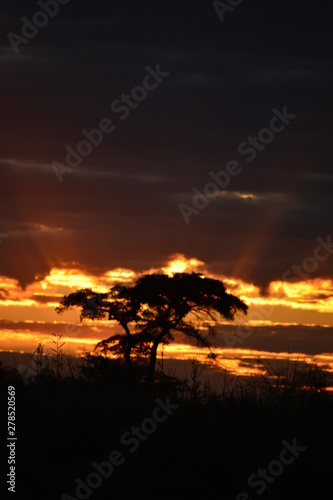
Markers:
209,445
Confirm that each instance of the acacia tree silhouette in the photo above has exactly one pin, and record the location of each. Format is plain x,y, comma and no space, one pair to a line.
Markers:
155,310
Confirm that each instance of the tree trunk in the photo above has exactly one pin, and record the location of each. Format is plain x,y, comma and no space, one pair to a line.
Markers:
152,363
127,356
128,348
153,356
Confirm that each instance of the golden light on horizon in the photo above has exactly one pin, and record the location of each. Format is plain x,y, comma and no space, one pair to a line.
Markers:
179,264
70,278
240,288
290,304
121,274
231,359
314,294
27,342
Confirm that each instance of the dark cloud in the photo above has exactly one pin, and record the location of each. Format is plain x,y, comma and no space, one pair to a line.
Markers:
119,207
304,340
312,340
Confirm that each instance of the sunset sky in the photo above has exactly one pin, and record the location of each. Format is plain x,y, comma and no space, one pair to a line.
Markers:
210,88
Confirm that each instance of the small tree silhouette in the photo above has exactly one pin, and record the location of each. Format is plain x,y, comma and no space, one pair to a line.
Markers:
39,359
57,361
155,310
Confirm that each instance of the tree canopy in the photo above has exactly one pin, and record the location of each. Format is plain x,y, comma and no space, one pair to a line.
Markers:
156,309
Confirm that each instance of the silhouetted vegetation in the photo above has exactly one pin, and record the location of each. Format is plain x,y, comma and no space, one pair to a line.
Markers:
155,310
214,441
71,414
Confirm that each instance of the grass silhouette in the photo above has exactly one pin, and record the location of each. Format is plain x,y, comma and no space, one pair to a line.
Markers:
68,417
